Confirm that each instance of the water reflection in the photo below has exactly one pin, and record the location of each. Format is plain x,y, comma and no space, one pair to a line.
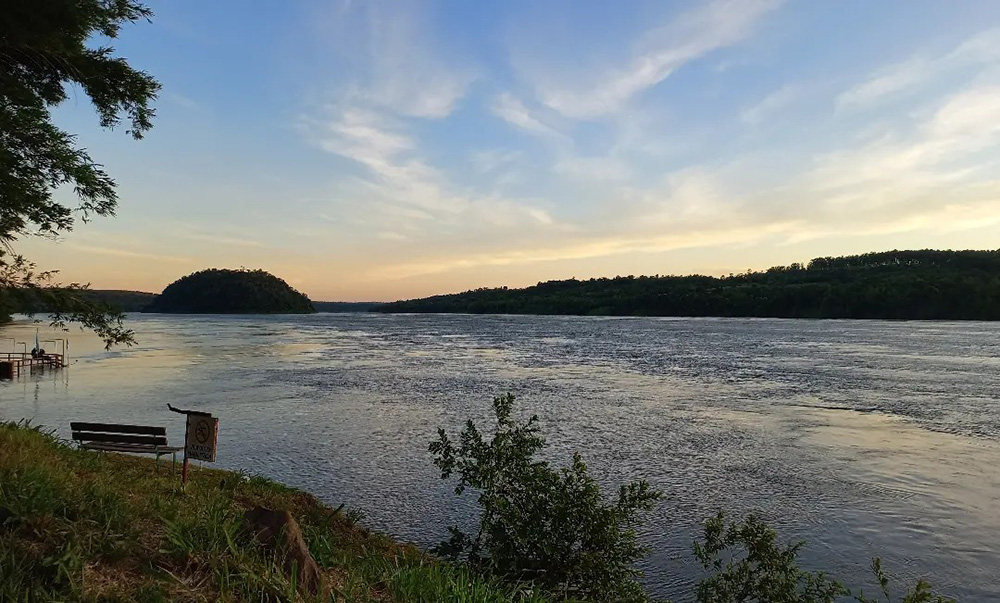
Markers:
861,437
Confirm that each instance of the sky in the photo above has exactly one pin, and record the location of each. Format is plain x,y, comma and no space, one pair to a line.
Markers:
397,149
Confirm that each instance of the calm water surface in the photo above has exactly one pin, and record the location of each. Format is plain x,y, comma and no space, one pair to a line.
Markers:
862,438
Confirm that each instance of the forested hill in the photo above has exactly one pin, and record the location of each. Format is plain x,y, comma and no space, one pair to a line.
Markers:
230,292
925,284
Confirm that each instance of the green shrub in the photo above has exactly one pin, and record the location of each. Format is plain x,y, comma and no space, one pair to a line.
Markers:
747,565
548,526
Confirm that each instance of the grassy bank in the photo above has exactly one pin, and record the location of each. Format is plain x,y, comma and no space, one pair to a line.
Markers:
88,526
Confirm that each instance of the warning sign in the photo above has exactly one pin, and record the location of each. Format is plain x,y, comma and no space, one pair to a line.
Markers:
201,437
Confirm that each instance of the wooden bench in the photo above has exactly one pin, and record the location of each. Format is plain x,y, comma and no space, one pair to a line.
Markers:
137,439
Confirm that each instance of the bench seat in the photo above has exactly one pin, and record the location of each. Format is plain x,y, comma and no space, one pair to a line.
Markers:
136,448
130,439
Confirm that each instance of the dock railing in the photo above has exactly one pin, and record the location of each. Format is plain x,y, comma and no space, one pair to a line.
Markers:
12,364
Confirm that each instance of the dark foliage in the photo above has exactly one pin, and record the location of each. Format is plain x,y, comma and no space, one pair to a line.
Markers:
551,527
963,285
346,306
242,291
553,530
44,56
124,301
24,290
746,564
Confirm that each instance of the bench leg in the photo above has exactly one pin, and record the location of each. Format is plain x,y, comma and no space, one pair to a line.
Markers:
173,462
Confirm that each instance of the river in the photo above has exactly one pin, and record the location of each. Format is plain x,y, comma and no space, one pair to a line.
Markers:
862,438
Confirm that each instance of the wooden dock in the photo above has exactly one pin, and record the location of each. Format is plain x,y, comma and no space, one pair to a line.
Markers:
12,365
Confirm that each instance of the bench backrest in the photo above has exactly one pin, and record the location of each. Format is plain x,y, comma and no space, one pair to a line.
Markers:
119,434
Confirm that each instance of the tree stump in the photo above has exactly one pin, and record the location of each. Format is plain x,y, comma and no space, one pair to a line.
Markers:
279,533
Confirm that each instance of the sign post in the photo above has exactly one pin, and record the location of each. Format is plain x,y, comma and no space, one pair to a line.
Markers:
201,437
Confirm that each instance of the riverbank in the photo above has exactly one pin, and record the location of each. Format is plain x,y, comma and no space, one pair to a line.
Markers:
80,525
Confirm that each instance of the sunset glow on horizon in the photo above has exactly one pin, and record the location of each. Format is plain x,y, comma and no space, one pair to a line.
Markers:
382,151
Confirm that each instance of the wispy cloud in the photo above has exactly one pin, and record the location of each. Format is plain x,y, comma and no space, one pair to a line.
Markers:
593,169
491,160
401,186
921,178
512,110
771,105
401,69
659,53
596,248
218,239
372,139
982,49
183,101
942,148
128,253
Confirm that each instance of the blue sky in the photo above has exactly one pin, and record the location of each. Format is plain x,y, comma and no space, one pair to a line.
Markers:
383,150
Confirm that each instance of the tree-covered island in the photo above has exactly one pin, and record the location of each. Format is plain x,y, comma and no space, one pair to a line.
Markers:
223,291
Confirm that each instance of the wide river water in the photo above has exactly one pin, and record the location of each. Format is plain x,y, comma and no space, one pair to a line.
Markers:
862,438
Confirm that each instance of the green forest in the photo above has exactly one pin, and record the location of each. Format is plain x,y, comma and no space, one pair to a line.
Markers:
126,301
34,301
221,291
335,306
925,284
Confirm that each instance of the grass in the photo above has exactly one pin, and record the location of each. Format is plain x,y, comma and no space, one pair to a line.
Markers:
87,526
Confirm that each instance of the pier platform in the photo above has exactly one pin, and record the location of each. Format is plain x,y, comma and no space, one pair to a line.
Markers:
13,364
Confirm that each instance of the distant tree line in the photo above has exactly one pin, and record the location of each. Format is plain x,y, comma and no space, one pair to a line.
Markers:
925,284
346,306
124,301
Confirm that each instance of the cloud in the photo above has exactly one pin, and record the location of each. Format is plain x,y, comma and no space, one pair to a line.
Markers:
771,104
509,108
593,169
935,175
418,89
918,71
128,253
970,117
183,101
414,199
400,66
491,160
661,51
218,239
947,218
402,190
941,150
598,247
887,82
370,138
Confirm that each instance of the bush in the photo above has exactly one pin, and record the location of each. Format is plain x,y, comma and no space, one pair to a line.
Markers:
747,565
549,526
